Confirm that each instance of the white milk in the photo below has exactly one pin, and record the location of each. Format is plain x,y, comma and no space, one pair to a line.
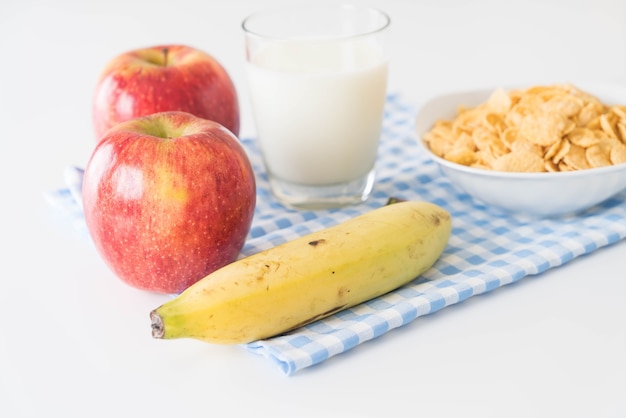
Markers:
318,109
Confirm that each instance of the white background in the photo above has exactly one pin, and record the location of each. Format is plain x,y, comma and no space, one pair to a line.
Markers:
75,341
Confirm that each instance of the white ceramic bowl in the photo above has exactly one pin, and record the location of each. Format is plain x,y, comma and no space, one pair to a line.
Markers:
534,194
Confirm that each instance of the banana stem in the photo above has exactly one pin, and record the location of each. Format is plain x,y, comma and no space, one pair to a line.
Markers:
393,200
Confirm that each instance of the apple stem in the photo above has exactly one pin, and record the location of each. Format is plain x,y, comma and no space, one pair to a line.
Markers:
165,51
158,327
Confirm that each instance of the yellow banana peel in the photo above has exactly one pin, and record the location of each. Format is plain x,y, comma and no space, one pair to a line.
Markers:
314,276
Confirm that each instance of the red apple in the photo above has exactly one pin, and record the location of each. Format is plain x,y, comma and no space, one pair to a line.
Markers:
168,198
163,78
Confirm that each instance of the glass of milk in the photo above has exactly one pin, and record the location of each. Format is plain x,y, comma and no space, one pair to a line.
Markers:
317,80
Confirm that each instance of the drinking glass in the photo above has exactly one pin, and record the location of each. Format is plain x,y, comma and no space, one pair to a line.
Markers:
317,80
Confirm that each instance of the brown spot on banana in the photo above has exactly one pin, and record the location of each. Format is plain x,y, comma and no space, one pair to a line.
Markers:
436,218
317,242
342,291
267,269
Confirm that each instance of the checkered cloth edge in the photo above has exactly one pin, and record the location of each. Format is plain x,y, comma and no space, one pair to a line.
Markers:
488,248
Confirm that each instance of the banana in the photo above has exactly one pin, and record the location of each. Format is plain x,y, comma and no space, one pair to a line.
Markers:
311,277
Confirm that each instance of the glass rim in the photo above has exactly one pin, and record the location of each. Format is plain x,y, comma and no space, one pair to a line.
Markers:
380,28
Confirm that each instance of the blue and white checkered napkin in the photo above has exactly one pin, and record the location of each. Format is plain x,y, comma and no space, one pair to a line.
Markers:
487,249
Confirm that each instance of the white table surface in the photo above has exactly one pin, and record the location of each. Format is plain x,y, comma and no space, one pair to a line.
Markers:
75,341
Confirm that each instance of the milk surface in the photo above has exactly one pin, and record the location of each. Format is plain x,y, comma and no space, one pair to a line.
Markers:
318,109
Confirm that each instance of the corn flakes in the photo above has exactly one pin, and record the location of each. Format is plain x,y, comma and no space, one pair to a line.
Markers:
539,129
